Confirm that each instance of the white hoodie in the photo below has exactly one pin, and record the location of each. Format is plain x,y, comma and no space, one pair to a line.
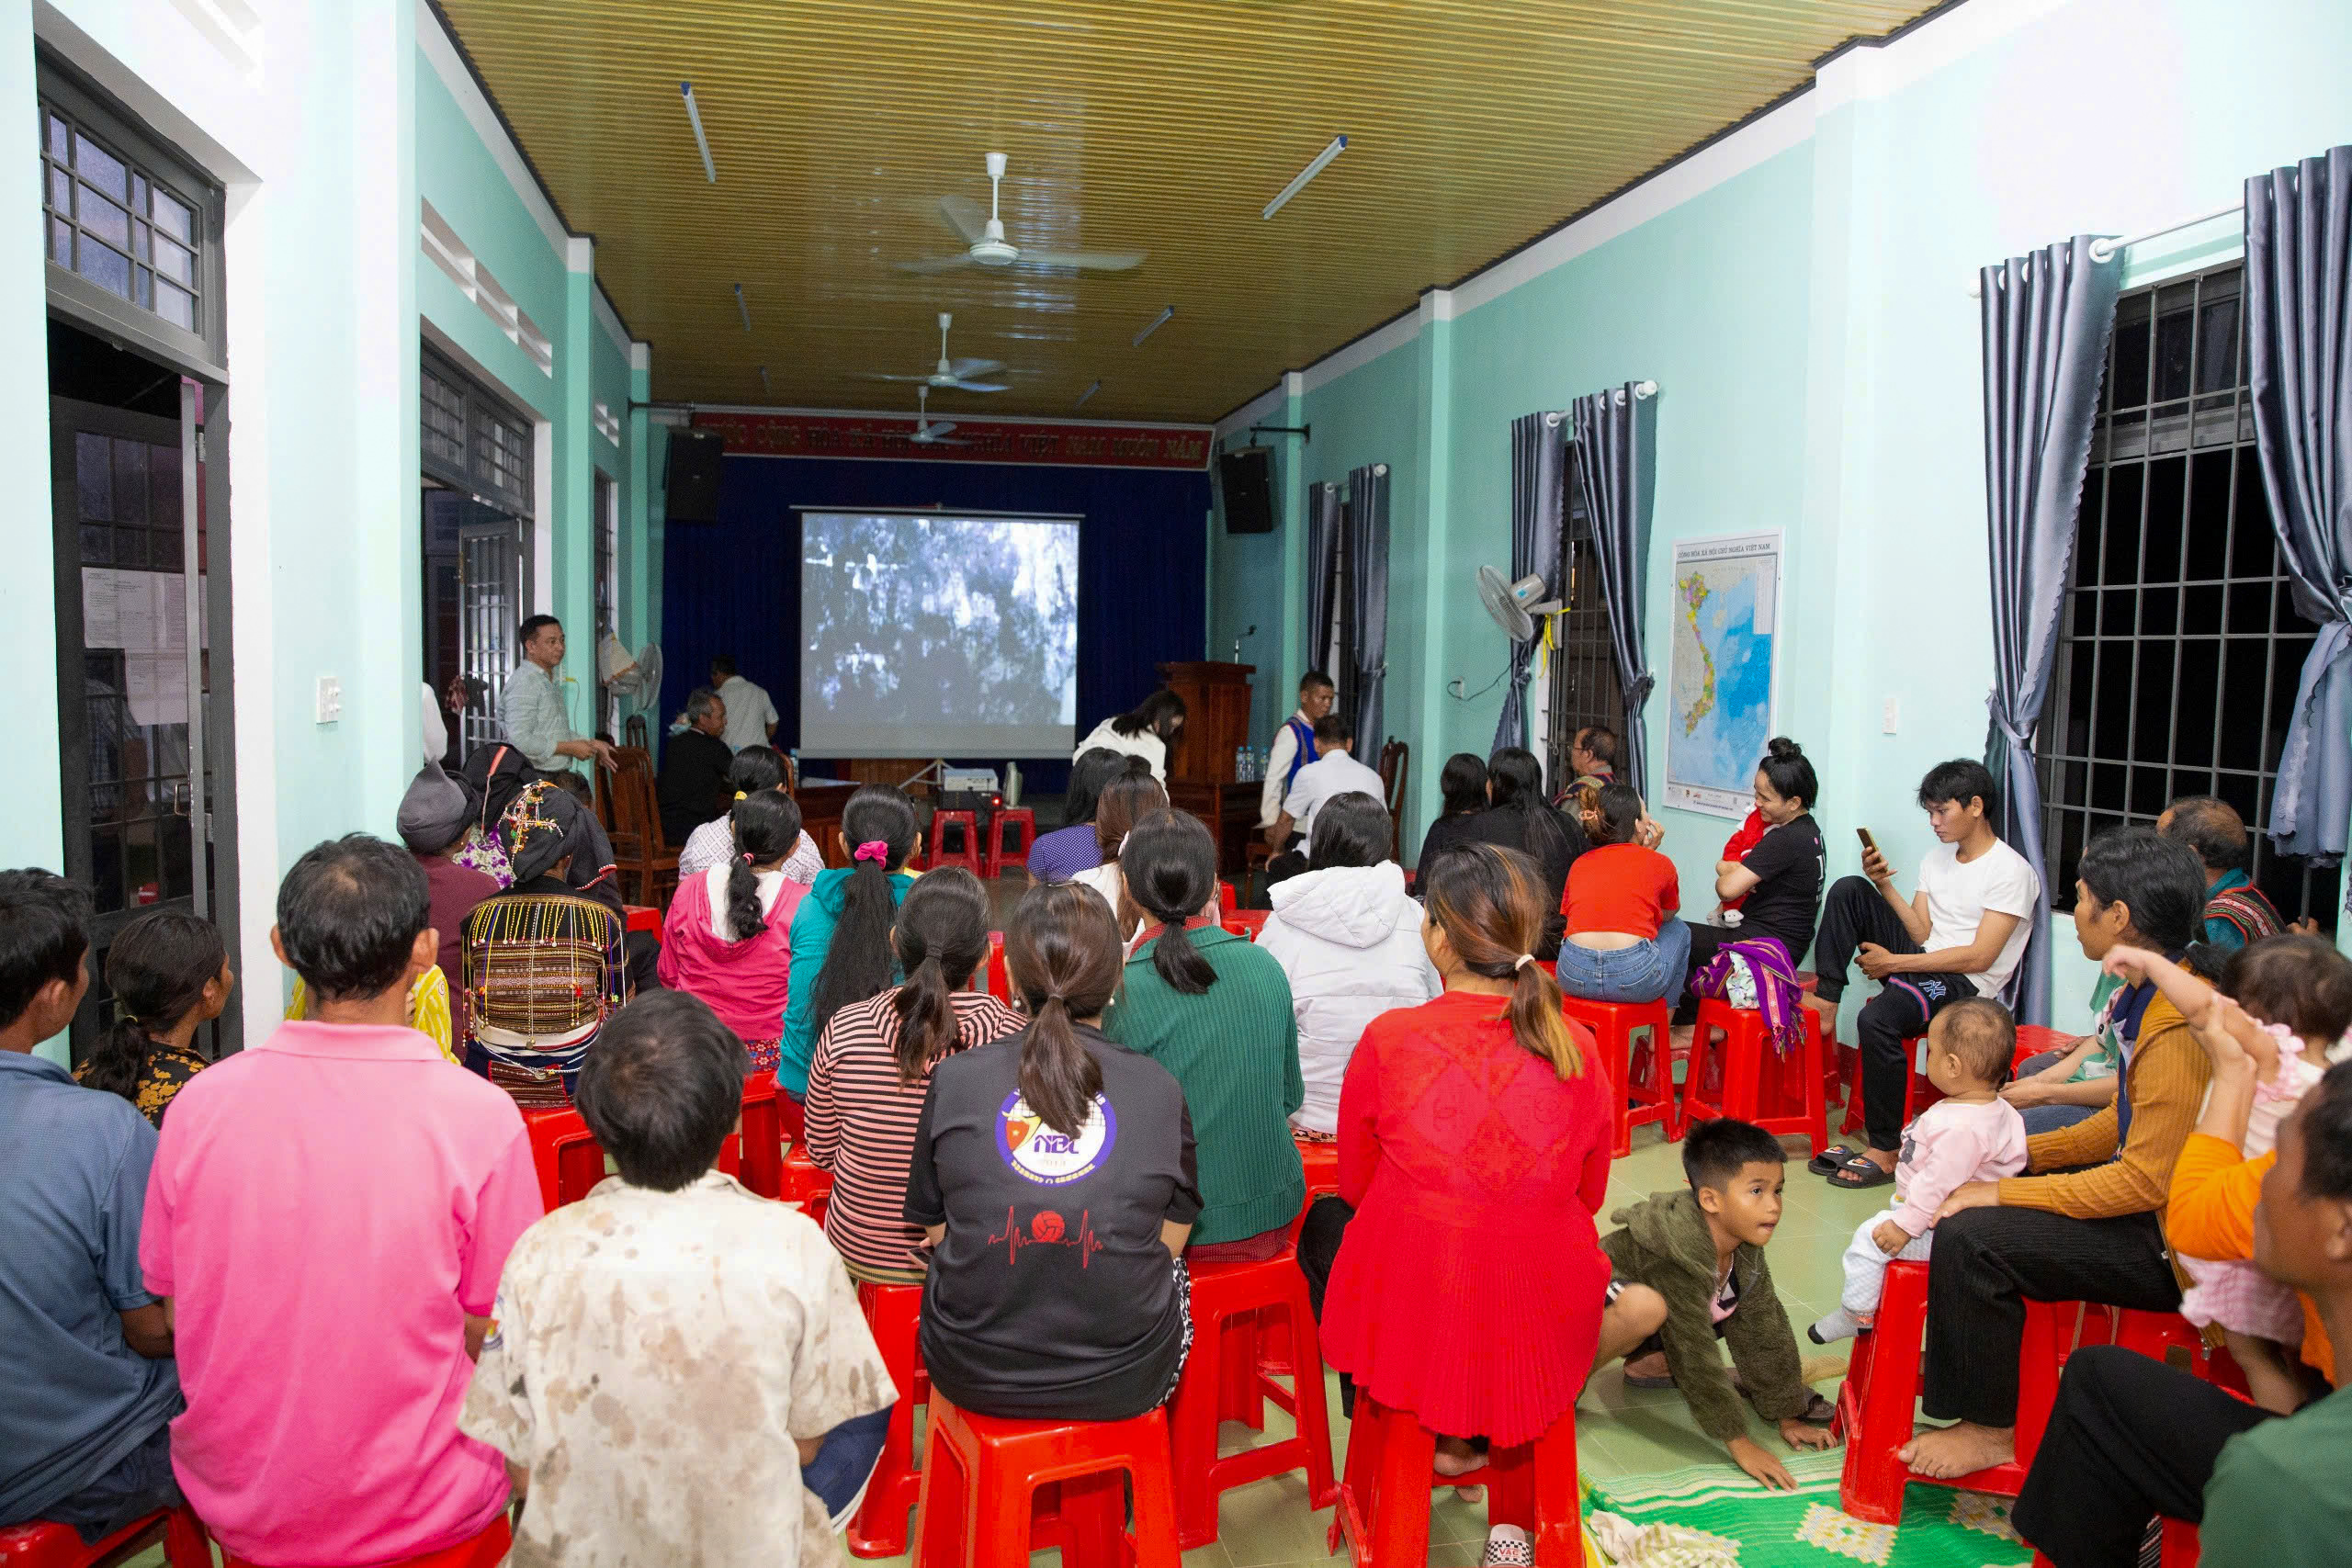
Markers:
1350,940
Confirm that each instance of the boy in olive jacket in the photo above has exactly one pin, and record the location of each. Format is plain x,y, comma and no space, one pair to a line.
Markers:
1702,1249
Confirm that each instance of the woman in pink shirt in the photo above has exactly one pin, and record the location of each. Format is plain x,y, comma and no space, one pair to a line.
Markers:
728,936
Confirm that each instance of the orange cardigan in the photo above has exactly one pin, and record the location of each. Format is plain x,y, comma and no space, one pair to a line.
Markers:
2211,1216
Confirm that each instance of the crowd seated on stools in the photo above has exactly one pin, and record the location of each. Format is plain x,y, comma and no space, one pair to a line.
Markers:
1126,800
678,1370
1216,1011
755,769
873,1066
841,934
1349,939
1517,817
1054,1179
1069,849
726,936
1768,886
1620,937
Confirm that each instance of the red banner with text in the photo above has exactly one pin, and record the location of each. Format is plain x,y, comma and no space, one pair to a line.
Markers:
971,440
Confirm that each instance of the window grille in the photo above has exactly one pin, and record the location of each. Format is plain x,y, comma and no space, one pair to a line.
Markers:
1585,690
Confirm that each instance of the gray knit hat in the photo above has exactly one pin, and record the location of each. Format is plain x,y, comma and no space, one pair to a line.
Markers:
433,813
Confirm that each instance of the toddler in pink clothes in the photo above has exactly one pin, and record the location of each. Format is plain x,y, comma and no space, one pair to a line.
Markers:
1971,1134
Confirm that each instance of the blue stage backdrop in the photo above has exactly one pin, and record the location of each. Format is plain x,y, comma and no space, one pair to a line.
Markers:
734,586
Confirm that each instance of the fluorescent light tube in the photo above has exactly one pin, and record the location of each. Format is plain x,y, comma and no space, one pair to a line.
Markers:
1298,181
1156,322
742,310
1090,392
702,142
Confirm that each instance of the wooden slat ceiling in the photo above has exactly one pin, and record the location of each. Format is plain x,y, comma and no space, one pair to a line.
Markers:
1473,125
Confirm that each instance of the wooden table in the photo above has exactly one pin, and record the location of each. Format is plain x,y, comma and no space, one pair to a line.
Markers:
1230,811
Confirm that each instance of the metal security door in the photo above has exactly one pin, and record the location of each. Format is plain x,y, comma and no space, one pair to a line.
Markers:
493,593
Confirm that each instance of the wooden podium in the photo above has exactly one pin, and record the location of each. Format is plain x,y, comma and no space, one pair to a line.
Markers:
1200,765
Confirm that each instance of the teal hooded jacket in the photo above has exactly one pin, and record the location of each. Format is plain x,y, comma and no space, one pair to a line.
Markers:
812,937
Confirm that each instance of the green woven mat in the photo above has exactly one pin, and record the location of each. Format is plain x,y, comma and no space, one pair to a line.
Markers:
1805,1528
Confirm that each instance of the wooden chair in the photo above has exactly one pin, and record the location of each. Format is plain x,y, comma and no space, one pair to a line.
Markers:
634,732
1395,758
648,865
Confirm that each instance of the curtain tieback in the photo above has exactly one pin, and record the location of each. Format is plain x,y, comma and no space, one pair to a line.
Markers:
2021,737
1638,691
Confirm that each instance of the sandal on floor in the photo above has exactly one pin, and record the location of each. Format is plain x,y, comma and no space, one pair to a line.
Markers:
1830,1159
1517,1552
1663,1379
1819,1411
1860,1173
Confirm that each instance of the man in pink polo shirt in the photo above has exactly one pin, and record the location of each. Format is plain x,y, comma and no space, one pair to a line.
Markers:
328,1215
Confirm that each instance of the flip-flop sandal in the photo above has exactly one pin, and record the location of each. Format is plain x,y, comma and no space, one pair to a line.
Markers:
1819,1411
1829,1160
1859,1174
1663,1380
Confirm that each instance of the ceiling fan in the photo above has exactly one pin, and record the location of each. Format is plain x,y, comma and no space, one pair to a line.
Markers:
956,372
927,434
989,247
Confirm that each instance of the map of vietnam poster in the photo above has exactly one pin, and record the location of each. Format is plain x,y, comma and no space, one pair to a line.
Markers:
1719,714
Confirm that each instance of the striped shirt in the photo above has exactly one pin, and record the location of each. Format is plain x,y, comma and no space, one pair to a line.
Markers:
861,1124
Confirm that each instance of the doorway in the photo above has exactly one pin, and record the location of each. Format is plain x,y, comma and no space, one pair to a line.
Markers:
475,454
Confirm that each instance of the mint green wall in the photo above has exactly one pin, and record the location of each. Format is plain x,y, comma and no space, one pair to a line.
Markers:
1817,359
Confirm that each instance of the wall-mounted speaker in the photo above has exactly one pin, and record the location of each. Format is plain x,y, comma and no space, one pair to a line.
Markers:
692,495
1245,479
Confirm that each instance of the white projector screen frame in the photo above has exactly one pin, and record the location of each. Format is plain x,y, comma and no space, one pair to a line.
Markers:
882,608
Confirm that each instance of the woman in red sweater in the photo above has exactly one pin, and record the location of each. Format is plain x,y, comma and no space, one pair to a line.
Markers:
1474,1146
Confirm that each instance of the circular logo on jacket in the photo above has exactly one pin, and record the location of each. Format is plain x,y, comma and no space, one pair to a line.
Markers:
1048,1158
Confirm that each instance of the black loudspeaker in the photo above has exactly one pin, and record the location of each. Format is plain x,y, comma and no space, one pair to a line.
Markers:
1246,478
693,493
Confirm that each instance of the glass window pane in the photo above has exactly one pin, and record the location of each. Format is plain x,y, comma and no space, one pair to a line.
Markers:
108,269
100,168
60,190
93,477
105,219
174,217
174,261
140,246
143,289
163,486
139,193
60,141
177,306
2128,387
131,481
2175,320
61,242
97,544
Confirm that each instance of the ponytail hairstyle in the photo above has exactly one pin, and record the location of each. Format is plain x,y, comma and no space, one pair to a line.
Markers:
1170,871
858,964
941,935
1096,766
1126,801
1621,814
1786,769
1515,783
1065,958
755,767
1489,903
157,970
766,825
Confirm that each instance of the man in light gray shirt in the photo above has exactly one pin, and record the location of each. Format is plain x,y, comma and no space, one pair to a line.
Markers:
750,712
536,719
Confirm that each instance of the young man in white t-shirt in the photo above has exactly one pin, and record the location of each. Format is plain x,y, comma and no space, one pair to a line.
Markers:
1961,935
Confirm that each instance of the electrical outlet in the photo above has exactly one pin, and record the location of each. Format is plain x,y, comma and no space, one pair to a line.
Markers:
1888,717
329,704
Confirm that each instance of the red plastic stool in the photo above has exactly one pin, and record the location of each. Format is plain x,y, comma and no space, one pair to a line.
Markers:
1000,977
805,1183
1918,1092
1230,1300
1750,1078
1320,1161
570,1159
1643,1074
1023,823
1226,899
1384,1501
2179,1548
894,1313
966,851
980,1476
755,1154
1245,922
42,1544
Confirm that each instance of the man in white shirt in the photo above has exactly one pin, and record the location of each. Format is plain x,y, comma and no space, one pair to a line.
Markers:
1961,935
532,708
1334,772
1294,746
751,714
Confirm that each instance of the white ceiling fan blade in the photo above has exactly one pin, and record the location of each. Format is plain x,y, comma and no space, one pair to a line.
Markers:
936,264
884,376
964,369
963,215
978,386
1093,261
940,427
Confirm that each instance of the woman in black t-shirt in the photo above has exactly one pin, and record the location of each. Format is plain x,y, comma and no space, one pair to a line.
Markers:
1779,882
1054,1179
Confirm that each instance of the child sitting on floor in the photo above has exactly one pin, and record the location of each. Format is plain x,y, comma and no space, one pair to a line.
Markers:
2286,1000
1702,1249
1971,1134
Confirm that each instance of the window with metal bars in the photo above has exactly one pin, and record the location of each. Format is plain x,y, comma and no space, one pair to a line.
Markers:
471,440
608,526
1584,685
2180,651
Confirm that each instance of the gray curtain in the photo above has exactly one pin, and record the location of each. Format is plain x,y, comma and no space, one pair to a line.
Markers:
1539,445
1322,550
1368,556
1612,468
2299,337
2047,318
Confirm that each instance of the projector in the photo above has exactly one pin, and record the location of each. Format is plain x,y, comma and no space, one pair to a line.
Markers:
967,781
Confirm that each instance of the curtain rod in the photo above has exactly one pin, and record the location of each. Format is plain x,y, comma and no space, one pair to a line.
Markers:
2104,248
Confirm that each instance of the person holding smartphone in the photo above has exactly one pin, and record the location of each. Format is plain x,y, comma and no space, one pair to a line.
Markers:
1961,935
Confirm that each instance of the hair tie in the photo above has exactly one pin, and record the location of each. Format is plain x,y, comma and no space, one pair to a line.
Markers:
874,850
1524,960
741,796
750,859
123,1014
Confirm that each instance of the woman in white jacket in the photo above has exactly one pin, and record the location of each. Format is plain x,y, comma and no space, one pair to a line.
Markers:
1350,939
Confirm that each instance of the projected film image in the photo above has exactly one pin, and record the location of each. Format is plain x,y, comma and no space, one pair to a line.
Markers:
938,635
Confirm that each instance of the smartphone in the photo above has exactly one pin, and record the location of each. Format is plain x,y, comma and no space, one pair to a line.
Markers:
1869,843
